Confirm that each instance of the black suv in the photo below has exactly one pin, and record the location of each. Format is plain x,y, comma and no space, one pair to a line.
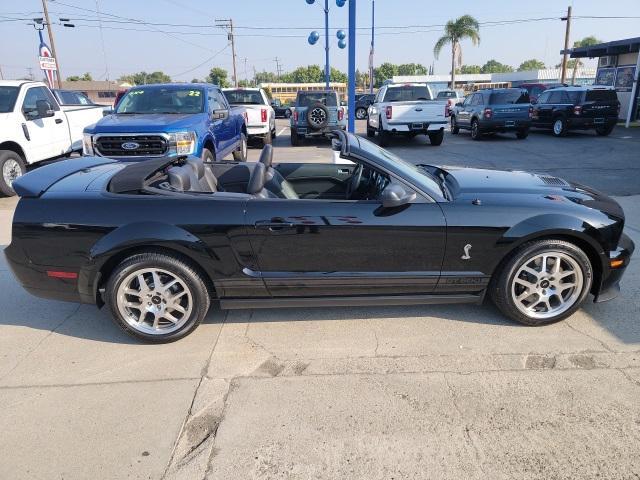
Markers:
581,108
362,104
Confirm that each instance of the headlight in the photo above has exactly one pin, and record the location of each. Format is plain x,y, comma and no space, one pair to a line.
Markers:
87,144
184,143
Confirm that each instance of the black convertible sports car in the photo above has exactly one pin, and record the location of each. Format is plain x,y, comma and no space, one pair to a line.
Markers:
159,240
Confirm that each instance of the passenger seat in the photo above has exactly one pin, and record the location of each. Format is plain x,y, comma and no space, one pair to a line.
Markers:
193,176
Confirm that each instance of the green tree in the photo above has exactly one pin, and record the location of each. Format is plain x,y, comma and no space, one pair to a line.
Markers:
494,66
265,77
412,69
454,32
469,69
385,72
531,64
338,76
308,74
144,78
218,76
75,78
585,42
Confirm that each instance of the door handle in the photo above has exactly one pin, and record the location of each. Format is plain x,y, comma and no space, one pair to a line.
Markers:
58,120
275,224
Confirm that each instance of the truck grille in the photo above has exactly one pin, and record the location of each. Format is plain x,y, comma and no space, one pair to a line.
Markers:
116,146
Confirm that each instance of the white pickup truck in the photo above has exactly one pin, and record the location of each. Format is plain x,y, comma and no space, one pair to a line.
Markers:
34,127
407,109
258,113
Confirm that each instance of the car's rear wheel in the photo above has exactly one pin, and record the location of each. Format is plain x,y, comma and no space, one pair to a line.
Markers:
605,130
240,155
455,129
436,138
157,298
559,127
361,113
475,130
295,138
383,136
543,282
12,167
522,133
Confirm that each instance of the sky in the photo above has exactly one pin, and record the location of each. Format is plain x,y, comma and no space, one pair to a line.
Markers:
266,29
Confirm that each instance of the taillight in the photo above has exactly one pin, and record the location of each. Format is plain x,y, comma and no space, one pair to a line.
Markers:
263,115
389,112
447,110
577,110
530,112
340,114
295,115
488,113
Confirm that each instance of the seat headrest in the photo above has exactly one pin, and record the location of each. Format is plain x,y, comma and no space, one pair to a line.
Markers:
197,164
257,179
266,156
180,178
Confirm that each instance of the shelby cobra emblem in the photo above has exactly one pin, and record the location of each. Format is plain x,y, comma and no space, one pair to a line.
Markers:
467,249
130,146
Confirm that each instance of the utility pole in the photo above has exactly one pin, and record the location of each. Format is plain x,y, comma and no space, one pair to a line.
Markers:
277,60
373,33
53,45
228,24
563,75
255,80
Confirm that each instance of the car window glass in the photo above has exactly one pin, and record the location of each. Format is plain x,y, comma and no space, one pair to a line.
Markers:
509,97
574,97
555,97
29,104
306,99
244,97
407,93
8,96
221,99
543,98
601,96
477,99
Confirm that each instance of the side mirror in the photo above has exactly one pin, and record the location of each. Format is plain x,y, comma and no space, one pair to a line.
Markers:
220,114
395,195
44,109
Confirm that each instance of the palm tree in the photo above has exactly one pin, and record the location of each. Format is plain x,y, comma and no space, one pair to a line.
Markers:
454,32
585,42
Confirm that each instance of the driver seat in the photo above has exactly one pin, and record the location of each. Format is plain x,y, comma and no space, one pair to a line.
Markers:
274,181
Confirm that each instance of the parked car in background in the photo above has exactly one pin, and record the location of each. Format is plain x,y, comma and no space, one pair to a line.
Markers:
408,109
259,116
362,104
451,96
315,114
495,110
535,89
119,95
35,127
577,108
169,120
79,99
281,111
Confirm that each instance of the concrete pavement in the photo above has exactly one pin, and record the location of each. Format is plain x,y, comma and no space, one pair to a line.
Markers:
359,393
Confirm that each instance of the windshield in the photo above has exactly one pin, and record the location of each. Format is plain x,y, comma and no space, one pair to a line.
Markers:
407,93
509,96
330,99
405,169
162,100
244,97
8,97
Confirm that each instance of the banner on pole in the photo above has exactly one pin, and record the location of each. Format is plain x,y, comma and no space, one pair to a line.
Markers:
47,62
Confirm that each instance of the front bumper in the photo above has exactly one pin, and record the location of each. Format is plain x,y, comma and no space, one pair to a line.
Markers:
610,283
308,132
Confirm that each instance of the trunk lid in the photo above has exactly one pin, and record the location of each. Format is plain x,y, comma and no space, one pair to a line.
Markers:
417,112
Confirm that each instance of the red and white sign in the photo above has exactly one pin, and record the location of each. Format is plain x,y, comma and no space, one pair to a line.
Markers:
47,63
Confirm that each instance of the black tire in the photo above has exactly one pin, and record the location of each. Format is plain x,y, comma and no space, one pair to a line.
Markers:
501,283
522,133
287,113
436,138
240,155
268,138
200,295
208,156
361,113
475,130
383,136
273,132
15,168
604,130
455,129
559,127
295,138
371,132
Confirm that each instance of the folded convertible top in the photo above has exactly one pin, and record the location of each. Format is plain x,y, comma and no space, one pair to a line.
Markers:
132,177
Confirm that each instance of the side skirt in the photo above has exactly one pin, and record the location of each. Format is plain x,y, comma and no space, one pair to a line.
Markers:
241,303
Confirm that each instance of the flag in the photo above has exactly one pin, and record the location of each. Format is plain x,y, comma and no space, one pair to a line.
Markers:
44,51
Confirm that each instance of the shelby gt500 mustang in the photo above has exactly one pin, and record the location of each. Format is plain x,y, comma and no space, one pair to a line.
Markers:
159,240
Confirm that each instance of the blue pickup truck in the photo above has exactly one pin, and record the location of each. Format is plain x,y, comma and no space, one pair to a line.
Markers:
169,119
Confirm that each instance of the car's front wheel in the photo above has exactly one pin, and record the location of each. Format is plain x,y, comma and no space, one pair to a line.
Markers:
11,168
156,297
240,154
361,113
543,282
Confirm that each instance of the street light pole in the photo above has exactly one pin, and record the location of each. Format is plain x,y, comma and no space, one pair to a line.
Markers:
373,32
352,66
327,72
53,45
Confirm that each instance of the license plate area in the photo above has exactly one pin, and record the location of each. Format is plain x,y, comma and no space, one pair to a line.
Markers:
417,126
598,120
510,123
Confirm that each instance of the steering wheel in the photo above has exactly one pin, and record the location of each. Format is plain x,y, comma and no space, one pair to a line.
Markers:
354,183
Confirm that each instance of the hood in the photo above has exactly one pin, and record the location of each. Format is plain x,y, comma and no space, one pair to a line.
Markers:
517,187
145,123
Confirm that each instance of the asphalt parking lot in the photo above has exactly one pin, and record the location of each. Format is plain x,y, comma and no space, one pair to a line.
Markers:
442,392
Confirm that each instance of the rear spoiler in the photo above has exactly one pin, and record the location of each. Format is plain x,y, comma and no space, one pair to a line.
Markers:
36,182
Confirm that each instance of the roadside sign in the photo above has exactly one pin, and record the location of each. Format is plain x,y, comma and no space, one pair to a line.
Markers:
47,63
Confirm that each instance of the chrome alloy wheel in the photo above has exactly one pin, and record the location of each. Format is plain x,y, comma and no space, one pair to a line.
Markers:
10,171
557,126
361,114
154,301
317,116
547,284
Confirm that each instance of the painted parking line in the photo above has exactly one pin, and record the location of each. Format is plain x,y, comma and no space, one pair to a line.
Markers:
282,130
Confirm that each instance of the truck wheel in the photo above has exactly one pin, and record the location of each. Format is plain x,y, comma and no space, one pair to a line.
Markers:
559,127
12,166
240,155
208,156
383,136
436,138
522,134
371,132
268,138
295,139
475,130
455,129
157,298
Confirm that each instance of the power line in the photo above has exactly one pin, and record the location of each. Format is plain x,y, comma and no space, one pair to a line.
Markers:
201,64
227,23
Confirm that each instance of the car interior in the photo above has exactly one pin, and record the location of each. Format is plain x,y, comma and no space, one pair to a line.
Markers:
191,175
